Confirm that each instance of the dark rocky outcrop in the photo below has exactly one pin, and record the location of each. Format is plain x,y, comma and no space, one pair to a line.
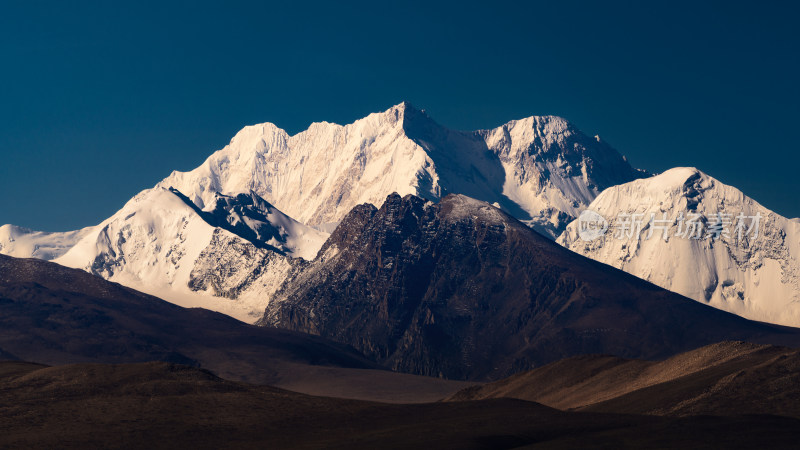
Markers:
460,289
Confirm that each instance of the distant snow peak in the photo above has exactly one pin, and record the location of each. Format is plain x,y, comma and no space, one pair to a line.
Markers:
539,169
755,276
25,243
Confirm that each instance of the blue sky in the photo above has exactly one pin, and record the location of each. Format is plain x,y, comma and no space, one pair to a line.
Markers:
101,100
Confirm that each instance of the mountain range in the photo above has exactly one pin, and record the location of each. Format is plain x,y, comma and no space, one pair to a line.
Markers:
412,286
228,234
172,241
540,169
98,396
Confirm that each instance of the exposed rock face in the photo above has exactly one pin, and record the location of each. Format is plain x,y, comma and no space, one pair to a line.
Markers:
461,289
230,267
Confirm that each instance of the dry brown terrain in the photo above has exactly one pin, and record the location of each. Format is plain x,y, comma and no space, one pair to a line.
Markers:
719,379
164,405
55,315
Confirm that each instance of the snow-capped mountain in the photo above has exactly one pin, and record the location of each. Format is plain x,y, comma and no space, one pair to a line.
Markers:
552,170
746,259
24,243
229,258
225,240
541,169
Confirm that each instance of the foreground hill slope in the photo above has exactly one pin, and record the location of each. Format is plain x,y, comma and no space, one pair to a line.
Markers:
460,289
55,315
162,405
721,379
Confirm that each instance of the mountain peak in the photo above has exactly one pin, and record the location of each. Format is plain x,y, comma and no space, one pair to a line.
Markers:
678,179
402,113
459,207
532,121
749,267
406,106
541,170
680,174
254,132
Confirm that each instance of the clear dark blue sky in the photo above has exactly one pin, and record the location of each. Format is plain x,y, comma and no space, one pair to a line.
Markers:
99,101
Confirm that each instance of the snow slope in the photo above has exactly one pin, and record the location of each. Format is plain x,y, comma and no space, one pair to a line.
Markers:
24,243
553,171
164,245
540,169
757,277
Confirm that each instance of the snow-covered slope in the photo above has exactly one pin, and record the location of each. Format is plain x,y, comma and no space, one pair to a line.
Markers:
24,243
540,169
162,244
757,277
552,170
